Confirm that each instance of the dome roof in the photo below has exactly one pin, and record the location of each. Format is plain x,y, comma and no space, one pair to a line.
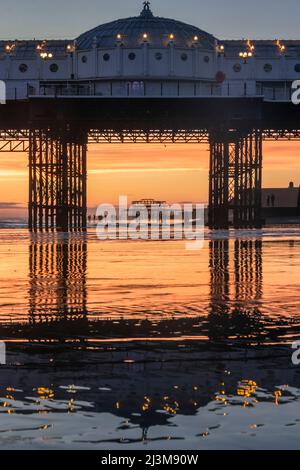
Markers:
132,31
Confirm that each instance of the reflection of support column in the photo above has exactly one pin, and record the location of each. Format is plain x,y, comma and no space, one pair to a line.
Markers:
57,279
217,321
235,179
57,180
219,272
237,315
248,271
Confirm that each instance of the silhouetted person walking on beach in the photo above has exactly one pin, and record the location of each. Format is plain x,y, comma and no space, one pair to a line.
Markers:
273,200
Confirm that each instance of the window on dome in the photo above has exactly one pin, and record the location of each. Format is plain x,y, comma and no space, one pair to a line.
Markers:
53,68
106,57
268,68
131,56
237,68
23,68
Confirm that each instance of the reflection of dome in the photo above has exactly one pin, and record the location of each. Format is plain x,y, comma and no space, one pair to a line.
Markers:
132,30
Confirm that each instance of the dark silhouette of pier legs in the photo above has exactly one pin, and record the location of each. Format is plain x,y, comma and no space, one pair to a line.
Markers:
235,179
57,180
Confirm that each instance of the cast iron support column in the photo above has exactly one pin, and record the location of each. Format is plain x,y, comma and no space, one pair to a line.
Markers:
235,179
57,180
219,184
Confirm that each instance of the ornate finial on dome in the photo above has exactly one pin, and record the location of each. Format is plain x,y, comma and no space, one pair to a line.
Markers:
146,12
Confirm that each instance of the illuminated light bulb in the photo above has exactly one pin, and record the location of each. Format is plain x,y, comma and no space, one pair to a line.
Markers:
222,48
250,54
119,36
171,37
145,36
196,38
281,47
250,45
50,55
10,47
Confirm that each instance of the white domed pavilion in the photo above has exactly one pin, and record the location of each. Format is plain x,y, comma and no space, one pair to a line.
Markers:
150,56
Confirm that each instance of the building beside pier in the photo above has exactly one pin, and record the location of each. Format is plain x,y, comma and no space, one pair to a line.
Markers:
282,204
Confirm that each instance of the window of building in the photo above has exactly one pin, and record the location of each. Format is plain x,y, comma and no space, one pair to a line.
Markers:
54,68
297,68
206,59
23,68
158,56
106,57
268,68
135,88
184,57
84,59
131,56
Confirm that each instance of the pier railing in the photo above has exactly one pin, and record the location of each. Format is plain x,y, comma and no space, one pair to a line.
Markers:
270,92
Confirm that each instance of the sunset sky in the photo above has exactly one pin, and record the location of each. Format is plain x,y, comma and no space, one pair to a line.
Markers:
174,173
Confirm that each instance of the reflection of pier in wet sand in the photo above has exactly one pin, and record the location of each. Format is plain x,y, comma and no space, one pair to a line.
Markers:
236,290
57,278
150,373
62,307
59,309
